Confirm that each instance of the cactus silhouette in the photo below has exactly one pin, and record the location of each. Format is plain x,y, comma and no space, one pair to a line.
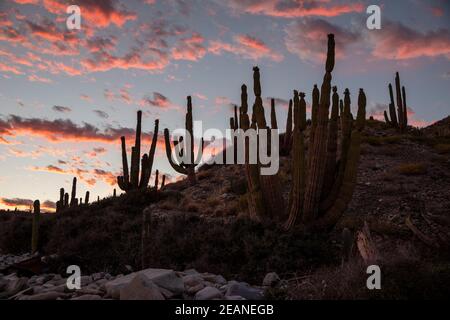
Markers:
35,227
322,185
73,197
397,118
130,179
187,147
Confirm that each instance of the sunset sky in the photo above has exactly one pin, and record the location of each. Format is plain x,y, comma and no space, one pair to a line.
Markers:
66,96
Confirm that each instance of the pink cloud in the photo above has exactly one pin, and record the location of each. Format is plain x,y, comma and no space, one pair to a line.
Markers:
99,13
295,8
10,69
247,47
397,41
190,48
36,78
307,39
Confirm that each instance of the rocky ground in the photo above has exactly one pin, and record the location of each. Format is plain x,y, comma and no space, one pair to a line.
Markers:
148,284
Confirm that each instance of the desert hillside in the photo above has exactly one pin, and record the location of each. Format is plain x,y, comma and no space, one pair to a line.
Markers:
402,192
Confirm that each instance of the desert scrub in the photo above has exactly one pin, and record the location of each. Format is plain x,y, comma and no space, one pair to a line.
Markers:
442,148
379,141
411,169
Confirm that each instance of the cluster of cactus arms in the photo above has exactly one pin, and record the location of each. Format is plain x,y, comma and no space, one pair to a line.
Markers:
64,203
262,201
157,186
397,118
322,185
130,180
35,227
187,147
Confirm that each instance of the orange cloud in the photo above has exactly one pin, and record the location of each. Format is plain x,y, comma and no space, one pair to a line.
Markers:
100,13
35,78
397,41
10,69
104,61
305,39
190,48
60,130
24,204
245,46
294,8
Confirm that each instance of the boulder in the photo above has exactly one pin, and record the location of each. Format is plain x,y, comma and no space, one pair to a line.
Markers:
88,297
234,298
85,280
140,288
208,293
218,279
271,279
52,295
163,278
244,290
14,286
193,290
192,280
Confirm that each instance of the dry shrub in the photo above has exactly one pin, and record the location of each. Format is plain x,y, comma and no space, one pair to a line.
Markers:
403,276
442,148
379,141
412,168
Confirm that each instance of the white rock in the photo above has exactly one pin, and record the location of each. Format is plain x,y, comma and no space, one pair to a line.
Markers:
234,298
208,293
45,296
271,279
88,297
192,280
193,290
140,288
244,290
163,278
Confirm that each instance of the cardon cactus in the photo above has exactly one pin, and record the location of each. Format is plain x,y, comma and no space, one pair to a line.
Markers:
130,180
35,227
398,117
313,180
86,198
73,197
60,204
187,168
286,143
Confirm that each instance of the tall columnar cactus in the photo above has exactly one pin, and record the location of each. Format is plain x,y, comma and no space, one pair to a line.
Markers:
163,182
398,117
35,227
273,115
66,200
187,168
86,198
330,165
298,164
73,197
273,201
313,181
318,150
130,179
60,203
287,141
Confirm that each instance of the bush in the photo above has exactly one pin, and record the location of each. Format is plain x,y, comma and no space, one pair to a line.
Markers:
442,148
412,169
